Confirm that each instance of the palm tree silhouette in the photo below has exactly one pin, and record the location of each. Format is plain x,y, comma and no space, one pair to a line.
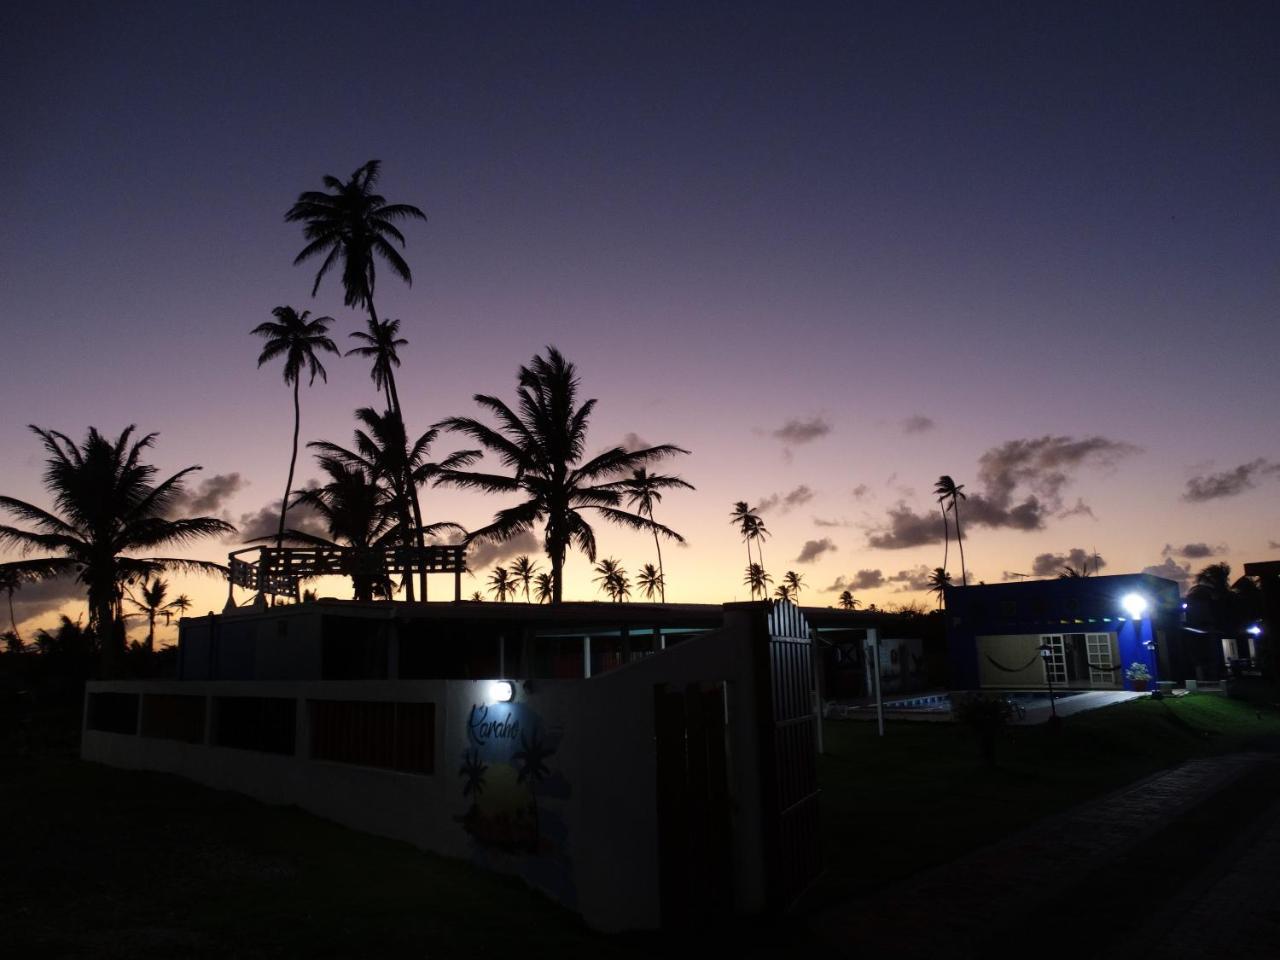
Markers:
613,579
946,530
109,507
794,582
382,343
357,514
745,520
847,601
531,768
179,605
939,580
298,340
784,592
153,603
650,580
757,580
472,771
11,579
644,489
543,446
477,597
949,491
501,584
382,449
545,591
1068,572
524,570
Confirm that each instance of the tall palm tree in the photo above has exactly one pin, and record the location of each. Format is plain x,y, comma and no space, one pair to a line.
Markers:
357,514
746,520
543,447
847,601
759,534
524,570
11,579
298,339
644,489
612,578
109,507
784,592
545,590
950,492
382,343
757,580
650,580
502,584
155,597
179,605
794,581
946,532
939,580
383,450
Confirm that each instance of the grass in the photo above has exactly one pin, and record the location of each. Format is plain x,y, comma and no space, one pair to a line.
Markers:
923,796
104,862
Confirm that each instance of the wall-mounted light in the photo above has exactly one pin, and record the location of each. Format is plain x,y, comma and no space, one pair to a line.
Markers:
501,691
1135,604
1254,630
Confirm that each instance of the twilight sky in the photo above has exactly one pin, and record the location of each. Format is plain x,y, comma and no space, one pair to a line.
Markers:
835,251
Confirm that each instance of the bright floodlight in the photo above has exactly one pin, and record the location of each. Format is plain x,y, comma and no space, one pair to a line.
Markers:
501,691
1135,605
1255,630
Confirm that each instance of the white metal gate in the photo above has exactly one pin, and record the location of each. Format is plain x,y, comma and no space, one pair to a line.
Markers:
1101,672
1055,665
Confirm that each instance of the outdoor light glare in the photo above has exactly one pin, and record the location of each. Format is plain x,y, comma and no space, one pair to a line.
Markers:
1255,630
501,691
1135,604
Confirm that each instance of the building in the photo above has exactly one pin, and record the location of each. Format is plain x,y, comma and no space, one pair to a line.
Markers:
1082,633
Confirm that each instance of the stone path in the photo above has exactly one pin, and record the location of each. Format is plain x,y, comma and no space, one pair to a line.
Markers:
1041,883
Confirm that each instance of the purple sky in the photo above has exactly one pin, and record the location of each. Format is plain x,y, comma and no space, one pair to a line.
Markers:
933,231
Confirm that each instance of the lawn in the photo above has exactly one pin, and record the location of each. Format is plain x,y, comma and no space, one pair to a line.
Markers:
922,795
104,862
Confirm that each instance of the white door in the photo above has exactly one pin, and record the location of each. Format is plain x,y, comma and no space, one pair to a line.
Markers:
1098,646
1055,665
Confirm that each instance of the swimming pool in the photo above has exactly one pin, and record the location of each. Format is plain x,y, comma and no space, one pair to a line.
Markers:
941,702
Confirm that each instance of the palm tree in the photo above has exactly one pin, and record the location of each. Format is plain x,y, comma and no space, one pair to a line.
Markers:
1068,572
472,771
477,597
746,521
153,603
784,592
644,489
946,531
939,580
382,449
180,605
950,492
650,580
108,508
613,579
545,591
524,570
298,340
501,584
10,581
357,514
757,580
794,581
543,447
382,343
532,769
847,601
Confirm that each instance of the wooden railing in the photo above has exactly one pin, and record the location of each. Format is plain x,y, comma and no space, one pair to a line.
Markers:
281,571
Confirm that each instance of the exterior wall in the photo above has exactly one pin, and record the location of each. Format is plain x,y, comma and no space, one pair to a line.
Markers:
1011,650
564,821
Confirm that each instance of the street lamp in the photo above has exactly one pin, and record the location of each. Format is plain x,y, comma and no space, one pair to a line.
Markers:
1046,652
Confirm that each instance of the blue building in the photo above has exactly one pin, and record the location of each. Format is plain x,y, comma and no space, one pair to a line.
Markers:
1095,629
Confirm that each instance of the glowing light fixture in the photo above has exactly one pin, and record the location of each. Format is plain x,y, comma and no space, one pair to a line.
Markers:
501,691
1254,630
1135,604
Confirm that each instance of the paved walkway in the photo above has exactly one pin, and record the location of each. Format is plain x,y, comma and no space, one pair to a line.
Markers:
1077,875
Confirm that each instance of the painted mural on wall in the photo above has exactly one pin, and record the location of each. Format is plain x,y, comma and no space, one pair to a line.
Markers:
516,794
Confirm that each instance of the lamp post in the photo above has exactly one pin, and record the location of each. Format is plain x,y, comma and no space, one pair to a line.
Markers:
1046,652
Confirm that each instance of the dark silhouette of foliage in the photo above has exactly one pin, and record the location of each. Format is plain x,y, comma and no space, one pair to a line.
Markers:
950,494
109,507
542,443
644,490
847,601
650,580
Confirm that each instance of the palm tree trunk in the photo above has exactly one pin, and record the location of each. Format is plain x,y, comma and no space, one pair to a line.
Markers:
12,621
964,577
662,577
293,461
151,631
946,535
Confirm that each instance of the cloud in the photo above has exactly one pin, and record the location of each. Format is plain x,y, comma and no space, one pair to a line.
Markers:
265,522
860,491
787,501
813,549
1193,551
482,555
1020,486
862,580
209,497
633,441
45,596
1081,509
918,423
796,432
1170,569
822,522
1273,544
1229,483
917,578
1051,564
